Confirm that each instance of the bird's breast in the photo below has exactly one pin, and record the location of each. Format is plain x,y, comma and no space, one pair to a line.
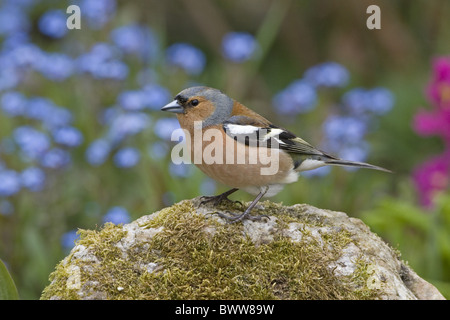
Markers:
238,165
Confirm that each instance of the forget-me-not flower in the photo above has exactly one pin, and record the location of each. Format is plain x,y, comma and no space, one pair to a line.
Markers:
53,24
97,152
239,46
298,97
68,136
187,57
117,215
127,157
56,158
10,182
13,103
33,178
328,74
165,126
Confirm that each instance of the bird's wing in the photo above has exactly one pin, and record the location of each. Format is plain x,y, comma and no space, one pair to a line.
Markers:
254,132
257,133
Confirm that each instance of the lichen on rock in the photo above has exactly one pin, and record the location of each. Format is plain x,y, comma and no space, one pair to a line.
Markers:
186,251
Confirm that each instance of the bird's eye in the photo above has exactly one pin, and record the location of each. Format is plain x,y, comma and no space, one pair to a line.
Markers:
194,102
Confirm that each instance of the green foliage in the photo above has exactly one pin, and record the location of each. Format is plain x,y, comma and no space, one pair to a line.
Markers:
8,290
421,236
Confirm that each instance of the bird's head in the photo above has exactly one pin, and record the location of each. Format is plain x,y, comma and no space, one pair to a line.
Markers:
208,105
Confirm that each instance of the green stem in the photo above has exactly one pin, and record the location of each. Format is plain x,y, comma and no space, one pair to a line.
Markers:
265,37
269,29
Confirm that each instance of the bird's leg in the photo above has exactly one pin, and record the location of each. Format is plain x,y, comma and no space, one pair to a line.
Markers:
219,198
246,214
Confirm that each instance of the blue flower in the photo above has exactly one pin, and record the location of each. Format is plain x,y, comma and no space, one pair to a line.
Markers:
39,108
59,117
344,130
114,69
108,115
97,12
134,39
21,3
25,55
32,143
68,239
165,126
56,159
328,74
53,24
9,77
97,152
181,170
55,66
303,95
239,46
15,61
354,153
298,97
156,96
381,100
132,100
127,157
102,63
99,54
15,40
13,103
377,101
46,111
117,215
10,182
68,136
127,124
186,57
356,101
33,178
12,20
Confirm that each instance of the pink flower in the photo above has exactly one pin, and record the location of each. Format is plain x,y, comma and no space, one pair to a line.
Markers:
433,123
438,90
432,177
437,121
427,123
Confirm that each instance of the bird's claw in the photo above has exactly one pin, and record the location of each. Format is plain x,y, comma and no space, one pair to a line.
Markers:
216,200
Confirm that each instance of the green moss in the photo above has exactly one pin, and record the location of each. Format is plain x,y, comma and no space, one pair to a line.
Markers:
195,263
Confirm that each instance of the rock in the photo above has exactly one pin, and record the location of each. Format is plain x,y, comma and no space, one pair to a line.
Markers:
188,252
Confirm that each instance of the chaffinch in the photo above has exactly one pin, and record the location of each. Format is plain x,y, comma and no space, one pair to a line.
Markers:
239,140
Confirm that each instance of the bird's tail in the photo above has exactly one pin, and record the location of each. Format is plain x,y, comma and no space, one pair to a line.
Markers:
346,163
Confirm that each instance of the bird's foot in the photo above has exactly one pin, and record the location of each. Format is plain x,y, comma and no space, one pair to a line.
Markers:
233,217
216,200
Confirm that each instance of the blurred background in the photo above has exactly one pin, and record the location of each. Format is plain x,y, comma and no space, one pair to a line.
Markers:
82,140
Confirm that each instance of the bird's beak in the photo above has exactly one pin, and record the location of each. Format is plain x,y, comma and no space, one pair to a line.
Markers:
174,107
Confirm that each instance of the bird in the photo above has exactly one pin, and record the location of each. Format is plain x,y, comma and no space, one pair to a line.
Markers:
236,135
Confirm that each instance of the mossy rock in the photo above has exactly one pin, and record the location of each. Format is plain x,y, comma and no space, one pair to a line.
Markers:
188,252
